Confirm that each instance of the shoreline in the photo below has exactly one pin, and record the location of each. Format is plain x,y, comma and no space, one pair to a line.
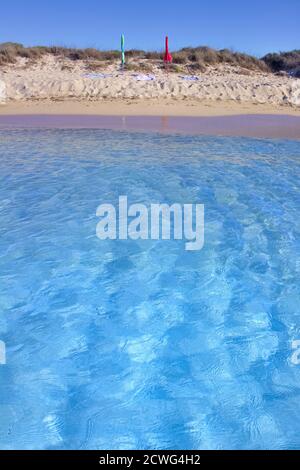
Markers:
278,126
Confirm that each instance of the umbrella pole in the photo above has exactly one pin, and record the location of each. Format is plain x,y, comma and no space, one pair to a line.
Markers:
122,51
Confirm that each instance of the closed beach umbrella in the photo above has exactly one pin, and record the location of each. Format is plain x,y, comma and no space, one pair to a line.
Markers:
122,49
167,57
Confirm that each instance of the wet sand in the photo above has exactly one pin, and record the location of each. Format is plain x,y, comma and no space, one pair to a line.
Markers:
251,125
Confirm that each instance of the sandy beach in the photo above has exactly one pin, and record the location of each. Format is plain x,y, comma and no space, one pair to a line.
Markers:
54,85
142,107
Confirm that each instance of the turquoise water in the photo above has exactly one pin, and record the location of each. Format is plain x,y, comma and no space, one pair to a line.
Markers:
141,344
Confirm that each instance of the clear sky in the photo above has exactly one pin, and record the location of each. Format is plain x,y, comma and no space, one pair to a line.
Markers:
256,26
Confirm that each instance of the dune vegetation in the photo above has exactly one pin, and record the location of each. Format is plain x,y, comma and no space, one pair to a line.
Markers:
284,61
188,58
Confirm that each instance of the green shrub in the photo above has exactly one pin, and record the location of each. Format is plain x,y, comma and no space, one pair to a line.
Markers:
287,61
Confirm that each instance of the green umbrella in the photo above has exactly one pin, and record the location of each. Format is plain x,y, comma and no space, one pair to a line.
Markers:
122,49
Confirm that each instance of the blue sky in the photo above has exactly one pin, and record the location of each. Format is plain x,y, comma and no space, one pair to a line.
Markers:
256,26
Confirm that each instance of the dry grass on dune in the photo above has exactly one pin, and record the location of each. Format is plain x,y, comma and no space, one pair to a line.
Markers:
188,59
10,52
200,57
139,67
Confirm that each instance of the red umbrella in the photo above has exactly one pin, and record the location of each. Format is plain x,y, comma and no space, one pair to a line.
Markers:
167,57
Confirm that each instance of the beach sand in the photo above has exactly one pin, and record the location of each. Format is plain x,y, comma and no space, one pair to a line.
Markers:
54,85
143,107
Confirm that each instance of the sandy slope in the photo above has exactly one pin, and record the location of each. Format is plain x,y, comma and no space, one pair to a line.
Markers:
61,86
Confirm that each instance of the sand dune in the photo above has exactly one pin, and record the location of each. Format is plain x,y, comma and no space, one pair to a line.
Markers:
56,79
2,91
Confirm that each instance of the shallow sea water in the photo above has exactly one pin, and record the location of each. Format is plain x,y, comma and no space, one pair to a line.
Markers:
141,344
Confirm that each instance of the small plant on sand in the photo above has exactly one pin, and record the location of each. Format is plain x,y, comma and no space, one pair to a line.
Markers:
174,68
66,68
197,67
94,66
138,67
179,58
153,55
136,53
